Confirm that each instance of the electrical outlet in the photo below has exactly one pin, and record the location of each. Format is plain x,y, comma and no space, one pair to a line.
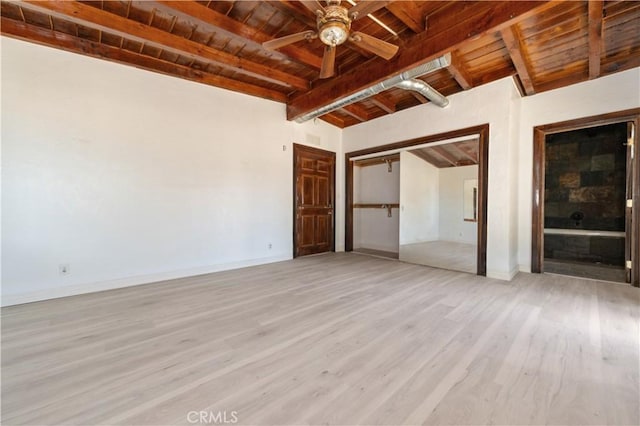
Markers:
64,269
270,246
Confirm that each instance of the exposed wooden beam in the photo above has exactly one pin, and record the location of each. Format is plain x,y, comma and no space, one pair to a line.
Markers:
50,38
429,158
440,151
595,37
464,153
296,11
384,102
513,41
459,72
365,8
92,17
333,119
419,97
192,11
409,13
356,111
422,48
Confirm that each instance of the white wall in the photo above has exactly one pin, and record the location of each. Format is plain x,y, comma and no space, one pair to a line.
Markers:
511,119
453,227
419,200
373,228
129,176
613,93
491,104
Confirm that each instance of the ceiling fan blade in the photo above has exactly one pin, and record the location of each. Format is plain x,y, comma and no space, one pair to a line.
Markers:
328,62
363,8
314,6
374,45
277,43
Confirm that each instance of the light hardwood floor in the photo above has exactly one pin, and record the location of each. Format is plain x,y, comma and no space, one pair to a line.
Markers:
337,338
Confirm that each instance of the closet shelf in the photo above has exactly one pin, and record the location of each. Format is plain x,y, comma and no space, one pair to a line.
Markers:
388,206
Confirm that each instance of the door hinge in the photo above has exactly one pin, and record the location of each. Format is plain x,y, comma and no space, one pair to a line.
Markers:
627,264
630,203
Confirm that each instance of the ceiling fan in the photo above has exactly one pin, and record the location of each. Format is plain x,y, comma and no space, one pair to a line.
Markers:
334,25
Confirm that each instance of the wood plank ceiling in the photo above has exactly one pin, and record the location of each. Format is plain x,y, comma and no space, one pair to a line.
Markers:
543,45
455,154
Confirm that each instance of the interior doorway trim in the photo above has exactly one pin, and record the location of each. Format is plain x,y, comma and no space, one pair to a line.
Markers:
482,131
537,227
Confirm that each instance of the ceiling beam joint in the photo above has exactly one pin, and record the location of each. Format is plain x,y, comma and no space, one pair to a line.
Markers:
356,111
385,103
595,37
459,72
513,41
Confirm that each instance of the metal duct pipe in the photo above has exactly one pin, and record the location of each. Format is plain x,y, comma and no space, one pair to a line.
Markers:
425,90
395,81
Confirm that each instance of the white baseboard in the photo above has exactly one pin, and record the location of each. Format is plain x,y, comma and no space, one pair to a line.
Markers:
73,290
505,276
525,268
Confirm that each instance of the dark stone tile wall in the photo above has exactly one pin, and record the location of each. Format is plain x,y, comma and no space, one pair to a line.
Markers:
586,173
585,189
584,248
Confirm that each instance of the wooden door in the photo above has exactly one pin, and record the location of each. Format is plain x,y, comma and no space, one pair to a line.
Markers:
314,194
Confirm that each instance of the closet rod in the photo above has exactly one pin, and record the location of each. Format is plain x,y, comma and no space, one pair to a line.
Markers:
388,206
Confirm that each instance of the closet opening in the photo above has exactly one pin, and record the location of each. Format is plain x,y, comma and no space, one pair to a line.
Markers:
421,201
376,217
585,187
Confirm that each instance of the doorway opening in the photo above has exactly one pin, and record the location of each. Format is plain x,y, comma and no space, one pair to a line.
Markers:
585,175
440,184
422,201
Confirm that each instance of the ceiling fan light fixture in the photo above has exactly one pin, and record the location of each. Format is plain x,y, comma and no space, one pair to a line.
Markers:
334,33
334,25
333,29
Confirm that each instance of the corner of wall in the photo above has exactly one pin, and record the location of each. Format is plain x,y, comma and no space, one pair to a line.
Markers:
502,275
515,104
